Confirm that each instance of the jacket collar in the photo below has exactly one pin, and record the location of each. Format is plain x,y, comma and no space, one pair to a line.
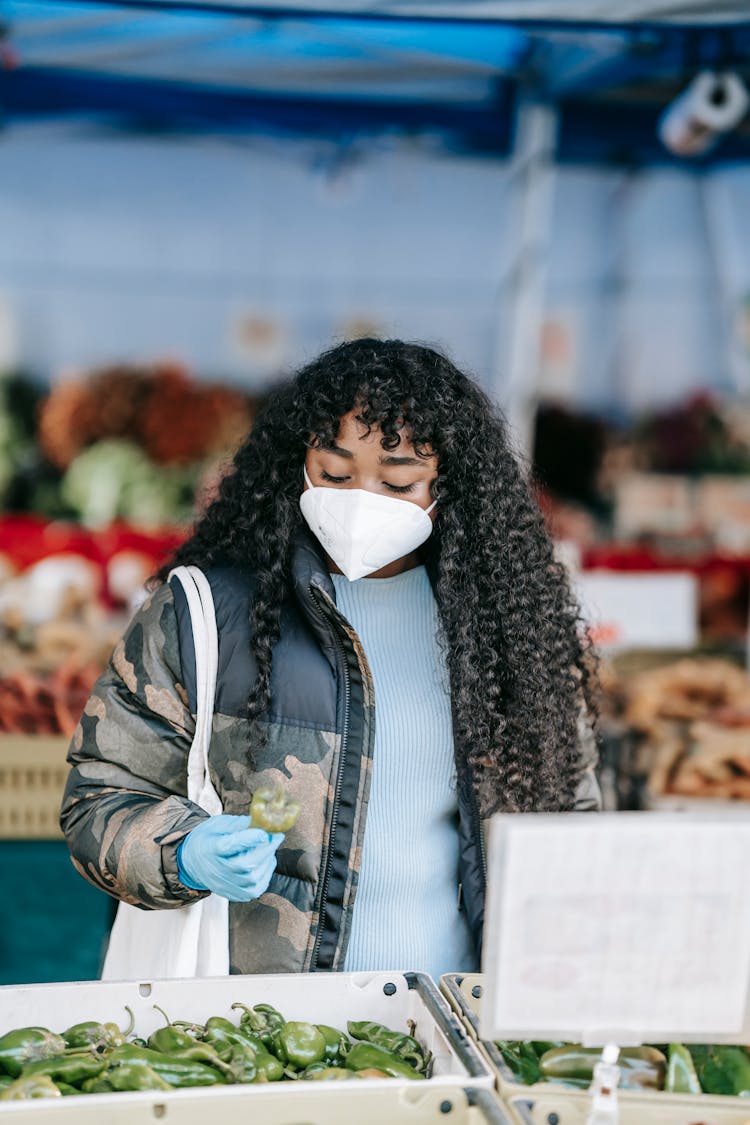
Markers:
309,573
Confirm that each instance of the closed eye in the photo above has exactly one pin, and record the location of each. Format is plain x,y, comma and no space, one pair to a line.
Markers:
333,480
399,487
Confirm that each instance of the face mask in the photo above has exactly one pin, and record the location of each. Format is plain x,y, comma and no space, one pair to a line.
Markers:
363,531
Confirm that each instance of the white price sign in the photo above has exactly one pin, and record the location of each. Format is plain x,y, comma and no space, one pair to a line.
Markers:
624,927
641,610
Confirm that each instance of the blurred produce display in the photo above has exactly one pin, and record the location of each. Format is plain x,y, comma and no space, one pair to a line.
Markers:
65,597
130,442
691,723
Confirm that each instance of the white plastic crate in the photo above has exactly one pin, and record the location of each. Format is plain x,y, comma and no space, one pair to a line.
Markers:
394,999
547,1102
313,1105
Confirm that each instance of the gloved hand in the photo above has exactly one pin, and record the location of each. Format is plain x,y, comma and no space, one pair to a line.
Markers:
222,854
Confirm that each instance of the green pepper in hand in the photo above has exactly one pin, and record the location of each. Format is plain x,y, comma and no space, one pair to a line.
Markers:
273,810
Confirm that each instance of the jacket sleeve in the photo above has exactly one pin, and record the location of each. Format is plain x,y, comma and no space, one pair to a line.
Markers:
588,796
125,807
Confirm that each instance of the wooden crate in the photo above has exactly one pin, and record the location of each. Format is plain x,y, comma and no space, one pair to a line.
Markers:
33,772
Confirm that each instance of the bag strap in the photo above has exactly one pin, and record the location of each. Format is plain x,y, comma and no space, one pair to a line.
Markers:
206,645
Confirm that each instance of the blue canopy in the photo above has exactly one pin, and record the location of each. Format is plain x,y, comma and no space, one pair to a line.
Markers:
349,66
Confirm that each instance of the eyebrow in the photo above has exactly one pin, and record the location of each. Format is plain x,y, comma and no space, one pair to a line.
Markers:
387,459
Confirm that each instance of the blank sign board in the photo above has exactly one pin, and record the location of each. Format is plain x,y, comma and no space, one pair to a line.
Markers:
623,927
640,610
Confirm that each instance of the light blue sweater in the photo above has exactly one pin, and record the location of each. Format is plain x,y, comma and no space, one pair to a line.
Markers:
406,913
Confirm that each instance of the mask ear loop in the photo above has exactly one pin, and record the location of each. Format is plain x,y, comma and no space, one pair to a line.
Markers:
428,510
307,478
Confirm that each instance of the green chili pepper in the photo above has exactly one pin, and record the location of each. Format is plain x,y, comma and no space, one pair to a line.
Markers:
337,1044
681,1076
71,1068
100,1036
542,1048
404,1046
66,1089
722,1069
299,1044
174,1069
27,1044
223,1035
521,1060
321,1073
263,1020
171,1038
639,1066
367,1056
100,1085
273,810
136,1077
35,1086
243,1067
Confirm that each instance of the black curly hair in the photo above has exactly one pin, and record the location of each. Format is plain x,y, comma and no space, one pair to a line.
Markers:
521,670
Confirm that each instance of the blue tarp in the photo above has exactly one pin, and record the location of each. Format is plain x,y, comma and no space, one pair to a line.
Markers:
343,68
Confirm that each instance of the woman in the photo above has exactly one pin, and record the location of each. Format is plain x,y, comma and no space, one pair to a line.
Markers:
398,647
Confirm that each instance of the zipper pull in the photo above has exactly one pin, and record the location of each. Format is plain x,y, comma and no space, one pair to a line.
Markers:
460,896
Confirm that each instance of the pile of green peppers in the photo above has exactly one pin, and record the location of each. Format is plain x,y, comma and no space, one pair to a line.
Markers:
96,1058
673,1067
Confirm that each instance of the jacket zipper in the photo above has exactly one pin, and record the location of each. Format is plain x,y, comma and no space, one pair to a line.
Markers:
337,789
480,837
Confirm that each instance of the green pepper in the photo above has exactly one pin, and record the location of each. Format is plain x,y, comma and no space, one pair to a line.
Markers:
132,1076
299,1044
681,1076
100,1085
273,810
541,1048
337,1044
223,1035
263,1020
366,1056
27,1044
100,1036
639,1066
66,1089
722,1069
521,1059
71,1068
404,1046
174,1069
35,1086
242,1065
172,1038
321,1073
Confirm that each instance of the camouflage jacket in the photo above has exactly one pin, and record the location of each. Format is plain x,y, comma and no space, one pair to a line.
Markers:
125,808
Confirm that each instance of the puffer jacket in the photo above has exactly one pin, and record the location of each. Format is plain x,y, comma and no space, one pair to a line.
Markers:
125,808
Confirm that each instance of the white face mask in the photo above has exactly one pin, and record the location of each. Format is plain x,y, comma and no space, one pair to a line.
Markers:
363,531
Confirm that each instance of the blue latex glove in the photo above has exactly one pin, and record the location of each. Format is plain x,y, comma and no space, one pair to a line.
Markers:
223,855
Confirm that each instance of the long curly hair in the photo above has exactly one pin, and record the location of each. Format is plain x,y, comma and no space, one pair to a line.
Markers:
521,670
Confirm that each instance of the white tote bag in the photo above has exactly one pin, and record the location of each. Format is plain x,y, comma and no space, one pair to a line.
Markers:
192,940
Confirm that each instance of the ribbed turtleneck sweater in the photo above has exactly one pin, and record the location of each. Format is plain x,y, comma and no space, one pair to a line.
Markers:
406,912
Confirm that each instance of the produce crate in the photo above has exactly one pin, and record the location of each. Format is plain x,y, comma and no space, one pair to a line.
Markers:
548,1104
33,772
313,1105
636,1110
393,999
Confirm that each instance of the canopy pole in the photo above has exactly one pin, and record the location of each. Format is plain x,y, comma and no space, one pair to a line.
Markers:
517,359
